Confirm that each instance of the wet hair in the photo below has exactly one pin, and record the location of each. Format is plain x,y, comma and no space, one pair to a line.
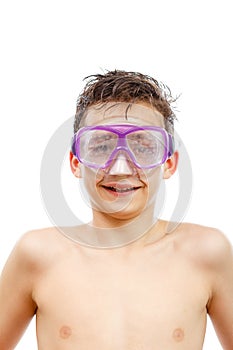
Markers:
122,86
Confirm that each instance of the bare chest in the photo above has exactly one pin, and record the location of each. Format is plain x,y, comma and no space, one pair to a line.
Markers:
133,304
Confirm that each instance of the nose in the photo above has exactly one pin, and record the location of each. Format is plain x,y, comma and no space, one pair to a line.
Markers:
121,166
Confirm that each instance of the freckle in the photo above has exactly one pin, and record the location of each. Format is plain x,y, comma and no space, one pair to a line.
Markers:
178,334
65,332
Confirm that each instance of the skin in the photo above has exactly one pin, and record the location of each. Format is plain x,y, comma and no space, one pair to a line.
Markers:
152,294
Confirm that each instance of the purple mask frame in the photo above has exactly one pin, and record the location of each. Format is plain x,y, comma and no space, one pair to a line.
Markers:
121,130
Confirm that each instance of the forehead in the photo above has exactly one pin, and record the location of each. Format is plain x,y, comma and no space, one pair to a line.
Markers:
122,112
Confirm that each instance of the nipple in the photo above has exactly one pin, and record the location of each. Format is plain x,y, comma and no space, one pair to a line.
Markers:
65,332
178,335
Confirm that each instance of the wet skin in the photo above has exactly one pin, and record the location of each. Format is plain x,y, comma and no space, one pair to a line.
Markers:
152,294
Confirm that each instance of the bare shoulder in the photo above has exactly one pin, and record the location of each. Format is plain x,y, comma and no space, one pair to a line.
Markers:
37,248
206,245
210,253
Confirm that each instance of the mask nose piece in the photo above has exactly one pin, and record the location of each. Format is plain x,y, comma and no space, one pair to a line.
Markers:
121,166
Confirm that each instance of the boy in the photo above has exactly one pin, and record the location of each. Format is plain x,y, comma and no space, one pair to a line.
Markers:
154,290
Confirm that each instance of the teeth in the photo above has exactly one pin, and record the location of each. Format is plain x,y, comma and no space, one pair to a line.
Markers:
120,190
123,189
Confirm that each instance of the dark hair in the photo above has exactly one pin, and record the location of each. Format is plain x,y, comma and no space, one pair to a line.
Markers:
122,86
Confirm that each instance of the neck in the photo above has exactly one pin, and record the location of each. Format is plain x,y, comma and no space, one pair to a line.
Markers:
106,220
109,232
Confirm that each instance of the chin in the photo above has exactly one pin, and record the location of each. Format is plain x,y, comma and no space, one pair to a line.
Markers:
121,213
125,216
123,206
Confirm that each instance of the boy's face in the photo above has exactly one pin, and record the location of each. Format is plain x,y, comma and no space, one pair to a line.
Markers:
122,190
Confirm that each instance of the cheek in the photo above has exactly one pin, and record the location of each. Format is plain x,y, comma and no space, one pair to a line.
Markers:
91,178
154,179
87,184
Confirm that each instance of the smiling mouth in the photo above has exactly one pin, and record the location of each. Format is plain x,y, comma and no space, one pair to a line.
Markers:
120,190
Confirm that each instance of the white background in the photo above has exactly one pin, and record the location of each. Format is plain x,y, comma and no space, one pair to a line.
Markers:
48,47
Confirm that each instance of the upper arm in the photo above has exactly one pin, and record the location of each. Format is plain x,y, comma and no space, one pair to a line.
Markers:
220,306
16,302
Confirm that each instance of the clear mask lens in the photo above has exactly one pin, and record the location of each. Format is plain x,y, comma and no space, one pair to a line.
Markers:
145,147
96,146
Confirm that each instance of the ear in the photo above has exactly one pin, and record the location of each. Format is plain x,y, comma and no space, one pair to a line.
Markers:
170,165
75,165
